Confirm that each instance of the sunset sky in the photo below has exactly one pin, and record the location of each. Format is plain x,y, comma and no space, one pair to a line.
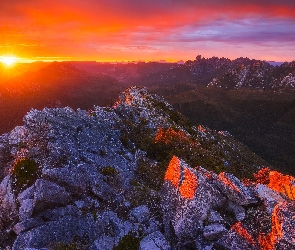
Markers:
117,30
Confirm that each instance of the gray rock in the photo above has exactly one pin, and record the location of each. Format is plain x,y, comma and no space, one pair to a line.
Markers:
152,226
234,189
81,180
215,217
8,207
186,214
60,212
234,241
103,191
237,210
26,209
214,231
154,241
26,194
49,195
141,213
111,225
79,204
270,197
63,230
284,225
104,242
27,224
76,179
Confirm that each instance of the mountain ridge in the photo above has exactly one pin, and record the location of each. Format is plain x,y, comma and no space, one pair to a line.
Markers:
136,175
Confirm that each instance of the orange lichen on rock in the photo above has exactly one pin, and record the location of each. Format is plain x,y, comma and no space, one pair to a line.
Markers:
189,185
276,225
202,129
169,134
262,176
268,242
222,177
173,171
239,229
205,173
265,242
284,184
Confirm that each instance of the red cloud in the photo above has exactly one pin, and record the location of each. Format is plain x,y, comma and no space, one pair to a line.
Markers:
66,26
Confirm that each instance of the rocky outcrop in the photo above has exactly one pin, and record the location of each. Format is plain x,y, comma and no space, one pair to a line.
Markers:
283,228
237,238
8,206
257,75
99,179
191,196
234,189
270,197
186,190
154,241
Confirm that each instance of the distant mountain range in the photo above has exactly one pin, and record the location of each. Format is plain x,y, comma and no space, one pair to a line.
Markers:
258,75
256,112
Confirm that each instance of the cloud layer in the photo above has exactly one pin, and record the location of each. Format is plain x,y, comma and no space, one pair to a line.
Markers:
155,29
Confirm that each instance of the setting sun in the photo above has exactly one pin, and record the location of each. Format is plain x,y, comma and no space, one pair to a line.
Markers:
8,60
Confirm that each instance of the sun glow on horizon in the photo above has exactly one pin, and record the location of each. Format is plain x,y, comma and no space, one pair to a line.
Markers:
8,60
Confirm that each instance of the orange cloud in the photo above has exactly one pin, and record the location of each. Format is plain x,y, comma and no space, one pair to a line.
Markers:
86,29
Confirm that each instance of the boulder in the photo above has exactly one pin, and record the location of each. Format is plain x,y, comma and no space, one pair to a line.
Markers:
81,179
154,241
76,179
283,225
63,230
234,189
104,242
8,207
237,238
284,184
215,217
27,224
49,195
214,231
26,209
270,197
112,226
237,210
28,193
60,212
141,213
188,196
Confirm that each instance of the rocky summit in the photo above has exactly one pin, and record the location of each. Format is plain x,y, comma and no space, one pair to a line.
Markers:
258,75
137,176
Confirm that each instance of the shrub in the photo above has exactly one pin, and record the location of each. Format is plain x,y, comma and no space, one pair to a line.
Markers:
61,246
109,171
25,171
128,242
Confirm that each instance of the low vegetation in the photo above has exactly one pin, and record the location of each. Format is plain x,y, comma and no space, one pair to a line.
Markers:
25,171
128,242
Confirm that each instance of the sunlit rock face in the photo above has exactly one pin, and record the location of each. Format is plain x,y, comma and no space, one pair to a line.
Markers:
191,195
284,184
235,190
186,190
192,213
283,228
134,174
